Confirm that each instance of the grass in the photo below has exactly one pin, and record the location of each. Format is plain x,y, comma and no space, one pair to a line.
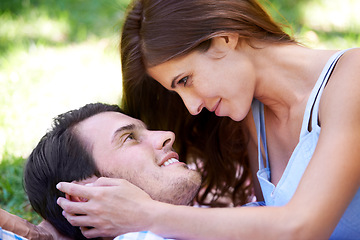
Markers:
12,196
59,55
54,23
320,23
54,56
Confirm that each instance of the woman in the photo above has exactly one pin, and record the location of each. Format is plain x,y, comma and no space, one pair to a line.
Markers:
298,108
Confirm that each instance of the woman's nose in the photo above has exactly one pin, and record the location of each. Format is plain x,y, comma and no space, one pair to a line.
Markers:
192,103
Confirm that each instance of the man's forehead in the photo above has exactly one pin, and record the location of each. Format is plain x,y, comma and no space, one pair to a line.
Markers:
108,120
120,119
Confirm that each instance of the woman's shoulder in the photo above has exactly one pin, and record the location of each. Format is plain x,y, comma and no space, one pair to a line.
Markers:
350,51
348,67
342,92
352,58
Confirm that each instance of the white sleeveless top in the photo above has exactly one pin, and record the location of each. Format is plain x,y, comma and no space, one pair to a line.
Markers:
349,225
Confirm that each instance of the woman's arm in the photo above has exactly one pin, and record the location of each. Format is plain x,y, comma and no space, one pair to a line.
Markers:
333,176
107,208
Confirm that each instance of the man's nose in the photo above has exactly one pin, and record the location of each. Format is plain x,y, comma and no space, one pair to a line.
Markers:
164,139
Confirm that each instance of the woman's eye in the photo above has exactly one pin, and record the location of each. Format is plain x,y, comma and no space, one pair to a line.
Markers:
183,80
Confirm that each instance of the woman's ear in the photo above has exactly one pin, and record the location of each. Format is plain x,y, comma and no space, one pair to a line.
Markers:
222,44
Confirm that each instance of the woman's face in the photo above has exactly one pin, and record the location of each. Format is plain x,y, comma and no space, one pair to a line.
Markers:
221,79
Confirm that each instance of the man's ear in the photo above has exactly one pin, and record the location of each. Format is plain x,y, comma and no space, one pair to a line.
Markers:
75,199
222,44
82,182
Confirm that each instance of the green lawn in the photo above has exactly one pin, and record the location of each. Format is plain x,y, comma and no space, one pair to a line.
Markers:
56,55
12,196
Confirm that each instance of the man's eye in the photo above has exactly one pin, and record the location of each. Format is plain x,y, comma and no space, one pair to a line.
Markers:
129,137
183,80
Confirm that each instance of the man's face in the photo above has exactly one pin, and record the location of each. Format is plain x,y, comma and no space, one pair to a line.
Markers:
123,148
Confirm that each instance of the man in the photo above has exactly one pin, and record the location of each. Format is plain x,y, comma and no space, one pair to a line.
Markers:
10,222
98,140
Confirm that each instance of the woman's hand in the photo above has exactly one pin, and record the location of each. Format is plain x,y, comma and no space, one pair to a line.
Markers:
113,207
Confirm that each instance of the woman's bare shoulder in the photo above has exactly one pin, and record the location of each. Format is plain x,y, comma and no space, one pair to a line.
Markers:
350,60
341,98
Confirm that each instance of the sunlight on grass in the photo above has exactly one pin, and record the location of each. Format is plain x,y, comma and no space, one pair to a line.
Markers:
54,56
331,24
36,24
339,16
46,81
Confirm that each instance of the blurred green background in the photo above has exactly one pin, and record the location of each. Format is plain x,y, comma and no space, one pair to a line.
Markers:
56,55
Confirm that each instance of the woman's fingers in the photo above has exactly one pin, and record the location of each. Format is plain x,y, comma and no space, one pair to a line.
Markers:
71,207
103,181
113,207
92,232
87,180
78,220
74,189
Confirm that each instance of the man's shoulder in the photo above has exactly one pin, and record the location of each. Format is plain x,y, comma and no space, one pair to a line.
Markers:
145,235
6,235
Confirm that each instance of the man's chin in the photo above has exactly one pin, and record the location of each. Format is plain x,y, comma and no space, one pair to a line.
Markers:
180,194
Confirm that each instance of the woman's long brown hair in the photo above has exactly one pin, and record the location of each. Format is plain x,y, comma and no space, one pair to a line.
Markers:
155,31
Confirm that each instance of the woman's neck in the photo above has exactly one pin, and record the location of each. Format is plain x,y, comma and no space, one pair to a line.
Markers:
286,75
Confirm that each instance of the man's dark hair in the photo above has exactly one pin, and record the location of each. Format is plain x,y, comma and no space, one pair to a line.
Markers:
61,156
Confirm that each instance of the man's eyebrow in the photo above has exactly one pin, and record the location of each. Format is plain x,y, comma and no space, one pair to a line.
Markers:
129,127
123,129
173,82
